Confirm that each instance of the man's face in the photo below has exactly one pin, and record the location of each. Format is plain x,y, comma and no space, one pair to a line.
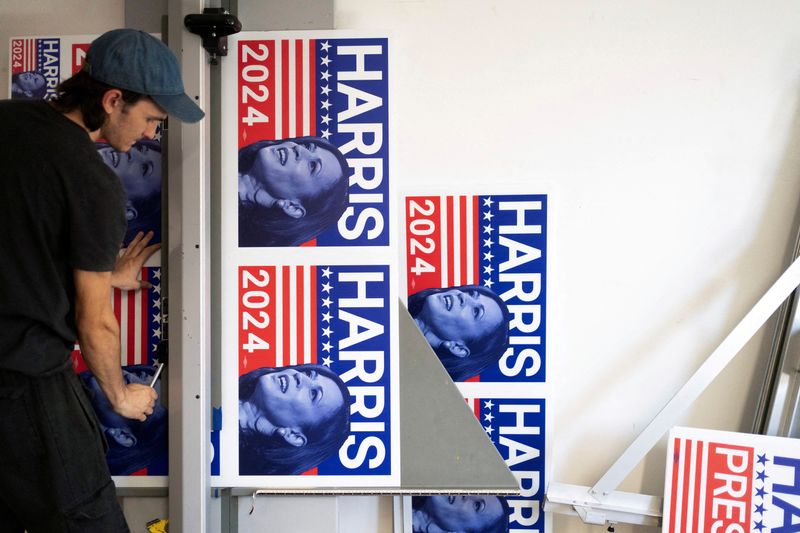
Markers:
128,123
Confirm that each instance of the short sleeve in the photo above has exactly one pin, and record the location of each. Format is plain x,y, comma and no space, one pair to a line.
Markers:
96,211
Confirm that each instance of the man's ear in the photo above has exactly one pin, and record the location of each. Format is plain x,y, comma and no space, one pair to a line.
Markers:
292,208
111,99
122,436
293,436
457,348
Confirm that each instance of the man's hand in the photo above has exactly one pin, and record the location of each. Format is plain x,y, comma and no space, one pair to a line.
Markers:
137,402
130,262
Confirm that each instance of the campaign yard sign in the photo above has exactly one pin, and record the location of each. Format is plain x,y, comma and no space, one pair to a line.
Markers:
320,103
323,317
475,279
491,249
309,266
516,426
724,482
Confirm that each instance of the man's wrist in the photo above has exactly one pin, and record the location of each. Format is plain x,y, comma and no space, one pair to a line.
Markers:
117,395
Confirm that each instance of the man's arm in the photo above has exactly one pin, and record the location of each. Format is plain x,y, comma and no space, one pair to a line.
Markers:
98,335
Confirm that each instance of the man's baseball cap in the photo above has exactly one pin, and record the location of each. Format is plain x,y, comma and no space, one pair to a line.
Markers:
137,61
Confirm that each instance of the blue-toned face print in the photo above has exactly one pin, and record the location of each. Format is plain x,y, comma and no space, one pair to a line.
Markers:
139,169
30,84
297,399
291,170
460,315
464,513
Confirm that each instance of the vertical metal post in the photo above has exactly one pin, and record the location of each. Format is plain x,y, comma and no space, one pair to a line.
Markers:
229,513
189,288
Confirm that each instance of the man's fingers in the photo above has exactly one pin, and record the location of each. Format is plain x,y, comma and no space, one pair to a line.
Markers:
141,248
136,240
147,237
139,243
141,240
150,250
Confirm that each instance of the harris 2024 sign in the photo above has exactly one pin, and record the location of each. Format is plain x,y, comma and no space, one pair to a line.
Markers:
309,264
312,140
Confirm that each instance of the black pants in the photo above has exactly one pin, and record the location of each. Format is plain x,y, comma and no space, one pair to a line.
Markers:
53,473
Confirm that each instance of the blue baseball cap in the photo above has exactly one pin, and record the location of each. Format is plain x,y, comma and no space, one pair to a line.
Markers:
137,61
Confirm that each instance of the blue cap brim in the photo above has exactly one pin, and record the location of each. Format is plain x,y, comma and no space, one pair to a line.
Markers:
180,106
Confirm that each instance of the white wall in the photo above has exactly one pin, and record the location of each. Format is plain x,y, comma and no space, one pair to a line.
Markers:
667,134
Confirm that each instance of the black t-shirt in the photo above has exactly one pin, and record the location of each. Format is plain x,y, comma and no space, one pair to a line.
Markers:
61,208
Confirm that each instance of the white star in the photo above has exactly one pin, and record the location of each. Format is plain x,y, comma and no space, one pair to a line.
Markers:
487,229
327,347
327,361
326,287
325,90
157,289
326,317
157,273
488,283
157,318
157,333
326,119
326,75
155,347
326,332
157,303
488,242
488,404
326,61
487,202
488,255
326,272
488,429
488,417
326,302
487,215
325,45
326,134
325,104
488,269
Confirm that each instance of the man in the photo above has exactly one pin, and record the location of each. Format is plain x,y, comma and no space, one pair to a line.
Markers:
63,215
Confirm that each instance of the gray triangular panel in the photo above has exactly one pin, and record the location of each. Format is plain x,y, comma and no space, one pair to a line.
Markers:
444,448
